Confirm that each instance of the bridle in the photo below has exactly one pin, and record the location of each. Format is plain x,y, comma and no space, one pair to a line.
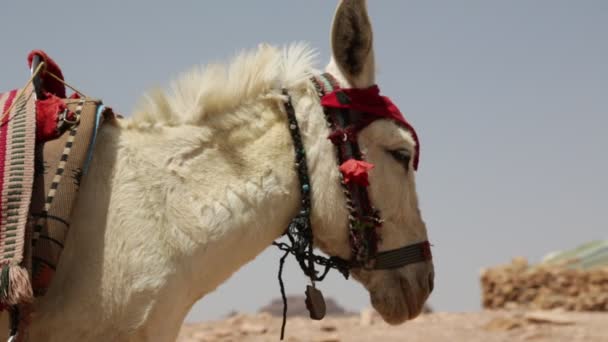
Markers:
364,221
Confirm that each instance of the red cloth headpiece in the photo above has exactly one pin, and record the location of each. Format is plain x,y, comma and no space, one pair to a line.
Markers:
370,101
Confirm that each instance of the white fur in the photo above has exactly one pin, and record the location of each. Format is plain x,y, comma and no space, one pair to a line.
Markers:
198,183
203,93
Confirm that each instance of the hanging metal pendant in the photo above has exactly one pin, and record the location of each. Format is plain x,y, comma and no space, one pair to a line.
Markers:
315,303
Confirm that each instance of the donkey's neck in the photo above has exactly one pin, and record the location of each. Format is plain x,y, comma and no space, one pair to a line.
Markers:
164,216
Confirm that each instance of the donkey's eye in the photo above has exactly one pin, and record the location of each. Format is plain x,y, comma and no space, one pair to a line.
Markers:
403,156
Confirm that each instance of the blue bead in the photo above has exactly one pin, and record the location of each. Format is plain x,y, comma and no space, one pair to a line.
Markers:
305,187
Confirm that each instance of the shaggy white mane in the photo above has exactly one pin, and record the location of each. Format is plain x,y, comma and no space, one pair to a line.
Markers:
216,88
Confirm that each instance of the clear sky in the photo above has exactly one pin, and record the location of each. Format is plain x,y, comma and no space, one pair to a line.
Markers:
510,99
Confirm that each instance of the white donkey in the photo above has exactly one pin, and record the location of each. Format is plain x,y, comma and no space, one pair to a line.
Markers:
199,182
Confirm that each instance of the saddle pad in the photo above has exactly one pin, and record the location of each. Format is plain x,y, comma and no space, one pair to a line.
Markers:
17,141
60,165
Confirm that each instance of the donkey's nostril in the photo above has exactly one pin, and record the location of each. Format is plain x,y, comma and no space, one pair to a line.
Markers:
431,281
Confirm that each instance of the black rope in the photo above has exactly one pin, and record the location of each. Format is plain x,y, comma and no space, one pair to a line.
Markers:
281,263
299,231
338,264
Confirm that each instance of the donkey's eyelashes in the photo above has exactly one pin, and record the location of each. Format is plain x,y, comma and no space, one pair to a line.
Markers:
403,156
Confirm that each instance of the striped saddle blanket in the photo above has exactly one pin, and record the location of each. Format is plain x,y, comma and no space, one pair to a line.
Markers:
46,143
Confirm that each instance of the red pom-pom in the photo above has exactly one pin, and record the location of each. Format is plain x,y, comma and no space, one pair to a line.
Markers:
356,171
47,113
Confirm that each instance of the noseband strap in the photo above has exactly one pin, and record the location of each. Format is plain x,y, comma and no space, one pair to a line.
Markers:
394,258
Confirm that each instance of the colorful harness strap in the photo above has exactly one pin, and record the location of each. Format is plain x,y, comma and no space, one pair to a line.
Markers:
347,112
17,141
363,219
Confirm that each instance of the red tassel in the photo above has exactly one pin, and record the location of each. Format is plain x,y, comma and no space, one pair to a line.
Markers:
20,288
356,171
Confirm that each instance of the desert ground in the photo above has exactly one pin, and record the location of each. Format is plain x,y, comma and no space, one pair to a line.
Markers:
540,303
483,326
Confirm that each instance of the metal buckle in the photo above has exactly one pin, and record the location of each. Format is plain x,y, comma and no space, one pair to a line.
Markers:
63,120
71,122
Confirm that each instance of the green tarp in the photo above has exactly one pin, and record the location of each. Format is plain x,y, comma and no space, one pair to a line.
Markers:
589,255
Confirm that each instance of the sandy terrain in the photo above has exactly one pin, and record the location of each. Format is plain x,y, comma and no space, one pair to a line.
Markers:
486,326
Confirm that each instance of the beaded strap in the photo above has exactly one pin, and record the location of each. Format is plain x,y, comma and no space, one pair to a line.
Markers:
363,219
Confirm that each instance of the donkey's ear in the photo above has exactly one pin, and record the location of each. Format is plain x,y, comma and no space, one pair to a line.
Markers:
352,43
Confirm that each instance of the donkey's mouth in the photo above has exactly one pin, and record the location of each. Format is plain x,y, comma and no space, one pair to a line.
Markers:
394,309
398,300
414,304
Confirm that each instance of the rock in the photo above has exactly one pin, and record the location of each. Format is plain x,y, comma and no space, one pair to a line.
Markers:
511,306
502,324
520,263
328,338
548,318
544,286
253,329
221,333
328,327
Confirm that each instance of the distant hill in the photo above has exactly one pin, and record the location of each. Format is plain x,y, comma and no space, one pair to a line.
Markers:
297,307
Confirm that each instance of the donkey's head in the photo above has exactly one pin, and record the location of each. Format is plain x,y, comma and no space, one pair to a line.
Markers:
398,290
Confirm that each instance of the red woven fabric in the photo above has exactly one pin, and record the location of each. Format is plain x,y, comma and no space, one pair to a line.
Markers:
51,85
10,97
370,101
